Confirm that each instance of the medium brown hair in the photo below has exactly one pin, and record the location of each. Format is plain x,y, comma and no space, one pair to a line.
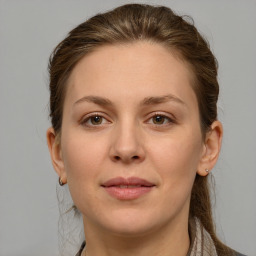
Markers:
136,22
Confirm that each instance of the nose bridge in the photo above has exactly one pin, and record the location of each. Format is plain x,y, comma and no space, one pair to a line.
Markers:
127,141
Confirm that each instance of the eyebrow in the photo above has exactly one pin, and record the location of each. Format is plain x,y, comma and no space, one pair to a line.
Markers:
154,100
95,99
162,99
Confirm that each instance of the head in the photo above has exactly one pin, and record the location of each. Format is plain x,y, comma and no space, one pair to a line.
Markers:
110,74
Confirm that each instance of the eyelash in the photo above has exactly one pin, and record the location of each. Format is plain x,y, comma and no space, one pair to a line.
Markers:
167,120
88,118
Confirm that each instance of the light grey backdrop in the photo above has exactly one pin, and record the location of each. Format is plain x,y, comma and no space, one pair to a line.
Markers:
29,30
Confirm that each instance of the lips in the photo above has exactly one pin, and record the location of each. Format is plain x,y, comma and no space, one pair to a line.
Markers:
131,181
127,188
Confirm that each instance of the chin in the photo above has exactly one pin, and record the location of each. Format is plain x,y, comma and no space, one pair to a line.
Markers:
132,223
131,230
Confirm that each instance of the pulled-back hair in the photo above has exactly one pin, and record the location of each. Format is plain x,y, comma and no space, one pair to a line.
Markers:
129,24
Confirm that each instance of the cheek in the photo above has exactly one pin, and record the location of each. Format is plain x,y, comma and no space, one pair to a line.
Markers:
83,160
82,153
176,159
176,162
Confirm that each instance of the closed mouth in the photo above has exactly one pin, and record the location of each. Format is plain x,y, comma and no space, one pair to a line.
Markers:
127,188
131,182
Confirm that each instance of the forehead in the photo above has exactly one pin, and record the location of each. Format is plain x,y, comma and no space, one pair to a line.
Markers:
133,69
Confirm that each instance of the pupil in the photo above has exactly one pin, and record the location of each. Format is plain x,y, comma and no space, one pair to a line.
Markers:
96,120
158,119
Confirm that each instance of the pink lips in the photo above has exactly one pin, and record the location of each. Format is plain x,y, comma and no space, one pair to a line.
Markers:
127,189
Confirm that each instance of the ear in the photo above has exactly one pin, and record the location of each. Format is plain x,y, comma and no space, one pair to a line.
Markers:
54,147
212,146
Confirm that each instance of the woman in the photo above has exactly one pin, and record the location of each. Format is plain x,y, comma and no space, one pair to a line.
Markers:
135,132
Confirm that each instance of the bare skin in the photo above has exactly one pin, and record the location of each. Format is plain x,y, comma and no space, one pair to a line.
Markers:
130,111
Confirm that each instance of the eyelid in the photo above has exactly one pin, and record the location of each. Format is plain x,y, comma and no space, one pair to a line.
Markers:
170,117
86,117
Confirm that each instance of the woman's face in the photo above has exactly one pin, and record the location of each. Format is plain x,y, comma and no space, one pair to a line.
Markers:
131,142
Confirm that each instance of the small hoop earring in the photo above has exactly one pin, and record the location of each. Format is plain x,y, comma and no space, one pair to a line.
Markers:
60,182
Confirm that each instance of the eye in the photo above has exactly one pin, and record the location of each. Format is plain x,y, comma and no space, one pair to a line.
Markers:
159,119
94,120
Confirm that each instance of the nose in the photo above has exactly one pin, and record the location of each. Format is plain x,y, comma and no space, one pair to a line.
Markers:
127,145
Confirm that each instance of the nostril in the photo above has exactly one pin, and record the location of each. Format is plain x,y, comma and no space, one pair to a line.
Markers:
117,158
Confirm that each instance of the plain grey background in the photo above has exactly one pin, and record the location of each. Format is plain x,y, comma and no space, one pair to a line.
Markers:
29,30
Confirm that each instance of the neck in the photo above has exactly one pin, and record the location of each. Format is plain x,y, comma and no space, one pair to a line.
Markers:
165,241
